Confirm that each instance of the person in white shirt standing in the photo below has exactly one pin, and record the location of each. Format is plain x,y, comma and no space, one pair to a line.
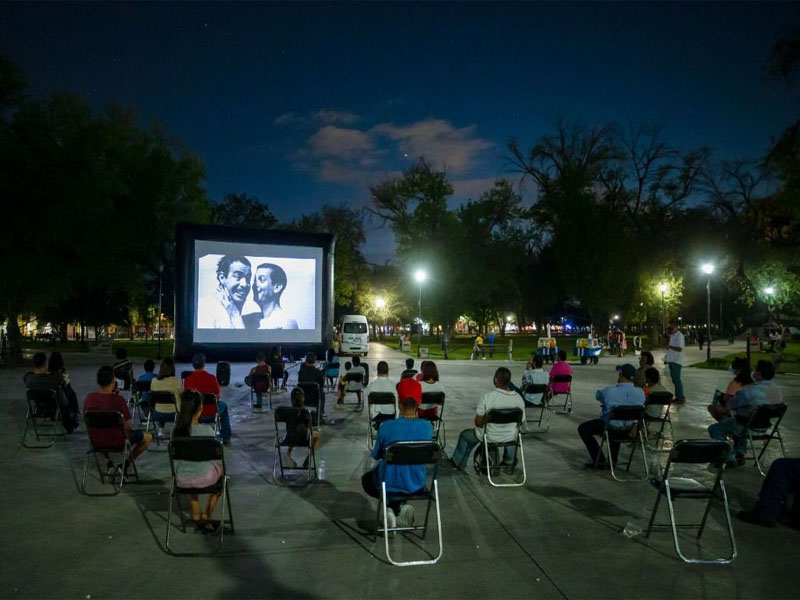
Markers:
674,359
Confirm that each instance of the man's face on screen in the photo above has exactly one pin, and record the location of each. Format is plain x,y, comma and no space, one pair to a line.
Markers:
264,288
237,282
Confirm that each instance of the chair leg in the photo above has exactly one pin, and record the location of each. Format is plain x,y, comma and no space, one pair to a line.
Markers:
169,514
653,514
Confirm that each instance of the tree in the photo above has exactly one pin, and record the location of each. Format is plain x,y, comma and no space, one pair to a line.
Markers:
242,211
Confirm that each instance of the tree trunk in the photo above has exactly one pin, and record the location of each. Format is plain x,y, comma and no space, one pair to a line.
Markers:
14,338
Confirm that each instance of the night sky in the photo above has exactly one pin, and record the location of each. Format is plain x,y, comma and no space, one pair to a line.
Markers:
306,104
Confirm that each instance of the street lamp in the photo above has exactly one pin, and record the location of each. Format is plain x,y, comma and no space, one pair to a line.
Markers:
708,269
663,289
769,291
420,276
160,273
379,304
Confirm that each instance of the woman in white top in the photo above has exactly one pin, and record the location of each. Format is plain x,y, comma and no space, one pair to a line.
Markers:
430,383
166,381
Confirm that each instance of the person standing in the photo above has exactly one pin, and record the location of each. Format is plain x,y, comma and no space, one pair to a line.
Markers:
674,360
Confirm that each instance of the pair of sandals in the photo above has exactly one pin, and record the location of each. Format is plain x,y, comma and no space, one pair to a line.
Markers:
204,525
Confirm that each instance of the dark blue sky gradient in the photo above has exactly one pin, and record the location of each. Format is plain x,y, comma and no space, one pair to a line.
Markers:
455,81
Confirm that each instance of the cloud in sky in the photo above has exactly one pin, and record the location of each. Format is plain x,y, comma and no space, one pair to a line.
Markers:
324,116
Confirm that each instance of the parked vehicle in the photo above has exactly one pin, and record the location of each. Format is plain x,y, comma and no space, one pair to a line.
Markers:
355,335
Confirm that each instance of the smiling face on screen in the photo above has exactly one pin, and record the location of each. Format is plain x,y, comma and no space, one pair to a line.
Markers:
237,281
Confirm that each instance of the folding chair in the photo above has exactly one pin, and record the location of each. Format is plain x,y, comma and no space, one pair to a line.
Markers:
332,374
278,369
141,406
374,422
106,431
210,412
42,406
623,436
664,400
759,427
123,375
504,416
313,398
435,400
424,453
198,449
694,452
538,388
166,400
354,384
260,384
291,416
551,394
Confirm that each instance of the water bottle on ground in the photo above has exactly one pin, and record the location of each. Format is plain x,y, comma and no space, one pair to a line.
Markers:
631,530
321,470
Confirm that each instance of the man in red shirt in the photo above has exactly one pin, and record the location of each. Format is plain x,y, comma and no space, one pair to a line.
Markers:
206,383
107,399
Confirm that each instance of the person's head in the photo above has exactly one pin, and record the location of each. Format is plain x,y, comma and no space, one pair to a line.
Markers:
260,356
383,369
233,275
741,369
105,378
409,396
672,327
562,355
409,363
311,358
626,373
167,368
298,397
39,360
502,377
55,362
121,354
429,371
199,361
652,376
274,351
191,407
356,361
646,359
269,283
329,355
149,365
538,362
348,365
764,371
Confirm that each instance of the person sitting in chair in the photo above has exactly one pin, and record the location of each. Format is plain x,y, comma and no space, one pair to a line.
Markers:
721,403
309,373
652,384
400,479
783,478
382,384
561,367
206,383
166,381
534,375
297,430
123,368
410,371
41,379
277,367
261,368
356,368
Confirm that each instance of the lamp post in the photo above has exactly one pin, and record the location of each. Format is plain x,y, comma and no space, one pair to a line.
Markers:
379,304
420,276
708,269
663,289
769,291
160,273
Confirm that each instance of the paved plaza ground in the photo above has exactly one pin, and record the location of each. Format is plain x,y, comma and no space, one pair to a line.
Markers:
557,537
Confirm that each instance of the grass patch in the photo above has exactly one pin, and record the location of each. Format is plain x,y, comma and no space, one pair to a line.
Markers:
142,349
789,364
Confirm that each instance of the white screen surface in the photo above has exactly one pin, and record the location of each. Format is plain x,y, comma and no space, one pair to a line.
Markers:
251,303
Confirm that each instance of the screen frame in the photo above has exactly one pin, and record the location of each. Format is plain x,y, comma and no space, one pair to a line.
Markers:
186,283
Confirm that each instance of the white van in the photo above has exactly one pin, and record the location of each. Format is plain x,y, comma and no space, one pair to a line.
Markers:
355,335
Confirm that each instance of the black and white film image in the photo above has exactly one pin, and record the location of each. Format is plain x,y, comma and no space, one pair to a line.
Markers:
255,292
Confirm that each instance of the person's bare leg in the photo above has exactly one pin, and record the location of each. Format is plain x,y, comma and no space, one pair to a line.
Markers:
212,503
315,440
142,446
194,502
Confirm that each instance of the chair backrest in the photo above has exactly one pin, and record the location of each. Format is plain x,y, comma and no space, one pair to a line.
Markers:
355,377
408,373
185,374
311,392
502,416
142,386
332,369
209,405
436,398
761,417
699,451
259,382
285,414
626,413
43,403
298,422
161,397
381,398
412,453
123,372
106,430
195,449
561,379
535,388
658,399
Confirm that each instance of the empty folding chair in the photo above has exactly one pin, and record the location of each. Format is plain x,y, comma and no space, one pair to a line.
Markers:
107,435
664,401
42,407
761,428
375,400
539,389
697,453
431,408
492,449
210,412
313,399
260,384
297,433
197,450
408,454
632,434
562,379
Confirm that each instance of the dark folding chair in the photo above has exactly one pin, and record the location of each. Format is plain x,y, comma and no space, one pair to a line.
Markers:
693,452
166,401
313,399
759,427
504,416
260,384
568,394
42,407
107,435
139,391
123,374
354,384
664,400
332,374
424,453
198,449
623,436
374,422
278,370
435,400
538,388
185,374
291,417
210,412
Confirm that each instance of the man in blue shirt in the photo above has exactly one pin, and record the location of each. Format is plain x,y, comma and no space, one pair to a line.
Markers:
761,391
400,479
622,394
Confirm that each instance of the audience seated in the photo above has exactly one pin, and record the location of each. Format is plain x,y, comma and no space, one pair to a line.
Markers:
107,398
309,373
148,375
622,394
429,378
58,370
331,366
297,430
652,384
261,368
123,369
41,379
381,384
165,381
720,407
191,474
206,383
351,370
761,391
419,376
500,397
277,368
410,371
400,479
646,361
534,375
783,478
561,367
